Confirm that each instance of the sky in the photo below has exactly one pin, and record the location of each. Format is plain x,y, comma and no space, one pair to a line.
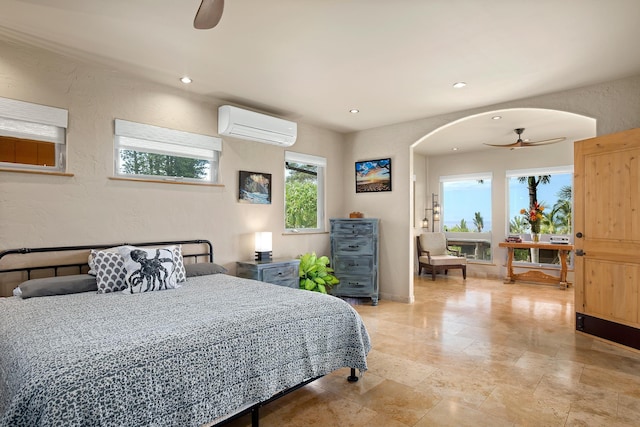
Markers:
462,198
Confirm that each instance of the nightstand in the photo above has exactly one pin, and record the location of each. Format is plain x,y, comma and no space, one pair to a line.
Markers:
279,271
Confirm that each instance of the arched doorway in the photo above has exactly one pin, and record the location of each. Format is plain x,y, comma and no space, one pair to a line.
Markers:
458,148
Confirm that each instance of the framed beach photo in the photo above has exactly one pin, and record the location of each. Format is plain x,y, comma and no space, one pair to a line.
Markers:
254,187
373,176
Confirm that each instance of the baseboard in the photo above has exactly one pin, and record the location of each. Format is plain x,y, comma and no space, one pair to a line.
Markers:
610,331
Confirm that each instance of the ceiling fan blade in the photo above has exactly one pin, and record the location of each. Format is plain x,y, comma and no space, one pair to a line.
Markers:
515,144
209,14
546,141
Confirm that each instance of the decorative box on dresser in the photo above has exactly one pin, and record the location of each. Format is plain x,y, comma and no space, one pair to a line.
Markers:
283,271
354,257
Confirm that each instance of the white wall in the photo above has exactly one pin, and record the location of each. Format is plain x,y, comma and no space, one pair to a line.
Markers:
615,105
42,210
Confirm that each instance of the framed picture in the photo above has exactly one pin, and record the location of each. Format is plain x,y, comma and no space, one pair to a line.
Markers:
373,176
254,187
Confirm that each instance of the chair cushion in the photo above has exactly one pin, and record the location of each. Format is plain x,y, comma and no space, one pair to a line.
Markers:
443,260
435,243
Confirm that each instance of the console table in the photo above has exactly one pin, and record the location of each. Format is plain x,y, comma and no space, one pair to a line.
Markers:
537,275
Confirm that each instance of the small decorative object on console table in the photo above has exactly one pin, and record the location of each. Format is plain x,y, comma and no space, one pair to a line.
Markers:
283,271
534,216
354,257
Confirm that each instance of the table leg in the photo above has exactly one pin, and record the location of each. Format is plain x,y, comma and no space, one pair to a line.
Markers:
510,278
563,269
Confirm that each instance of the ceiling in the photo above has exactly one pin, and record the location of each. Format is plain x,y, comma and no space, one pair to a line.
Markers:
313,61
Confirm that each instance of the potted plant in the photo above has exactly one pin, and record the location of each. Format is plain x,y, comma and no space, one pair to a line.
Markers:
315,273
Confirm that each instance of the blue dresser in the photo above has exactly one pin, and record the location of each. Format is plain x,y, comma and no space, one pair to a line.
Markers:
354,257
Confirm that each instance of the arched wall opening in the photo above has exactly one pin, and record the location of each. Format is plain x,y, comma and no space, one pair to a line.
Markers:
458,148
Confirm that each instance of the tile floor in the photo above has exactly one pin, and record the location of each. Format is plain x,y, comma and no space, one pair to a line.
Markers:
474,353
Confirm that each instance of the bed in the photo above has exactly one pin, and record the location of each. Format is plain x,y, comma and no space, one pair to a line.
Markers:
205,352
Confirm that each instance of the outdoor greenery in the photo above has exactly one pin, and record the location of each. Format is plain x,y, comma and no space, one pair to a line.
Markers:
315,273
151,164
557,220
301,196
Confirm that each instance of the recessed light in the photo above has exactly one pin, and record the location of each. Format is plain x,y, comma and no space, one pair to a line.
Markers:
354,111
496,117
454,149
459,85
186,80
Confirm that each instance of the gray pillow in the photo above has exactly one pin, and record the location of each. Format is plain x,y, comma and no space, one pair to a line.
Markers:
60,285
203,269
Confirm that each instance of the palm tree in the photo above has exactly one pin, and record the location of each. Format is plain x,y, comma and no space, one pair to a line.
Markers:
462,227
478,221
532,185
563,209
518,225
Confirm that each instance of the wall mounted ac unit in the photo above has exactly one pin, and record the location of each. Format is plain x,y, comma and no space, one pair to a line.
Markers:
245,124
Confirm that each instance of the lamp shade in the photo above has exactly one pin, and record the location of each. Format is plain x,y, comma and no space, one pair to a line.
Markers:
263,241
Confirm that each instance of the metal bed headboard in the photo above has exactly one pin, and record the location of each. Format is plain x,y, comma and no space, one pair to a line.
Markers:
80,265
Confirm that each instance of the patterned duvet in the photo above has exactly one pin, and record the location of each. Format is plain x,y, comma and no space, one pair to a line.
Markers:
180,357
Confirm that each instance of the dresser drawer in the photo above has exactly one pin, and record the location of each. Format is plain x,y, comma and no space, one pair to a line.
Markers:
353,265
354,286
283,276
352,228
354,246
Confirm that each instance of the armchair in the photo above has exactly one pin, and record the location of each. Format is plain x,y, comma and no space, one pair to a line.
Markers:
434,256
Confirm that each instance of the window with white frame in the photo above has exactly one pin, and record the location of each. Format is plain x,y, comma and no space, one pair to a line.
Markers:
551,188
32,136
152,152
466,214
304,192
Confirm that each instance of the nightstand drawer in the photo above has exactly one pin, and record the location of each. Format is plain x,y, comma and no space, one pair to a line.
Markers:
282,272
283,276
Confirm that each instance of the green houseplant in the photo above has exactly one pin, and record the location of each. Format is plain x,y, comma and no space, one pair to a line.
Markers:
315,273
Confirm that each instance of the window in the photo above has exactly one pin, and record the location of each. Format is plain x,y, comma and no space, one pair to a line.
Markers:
152,152
32,136
466,214
304,192
550,187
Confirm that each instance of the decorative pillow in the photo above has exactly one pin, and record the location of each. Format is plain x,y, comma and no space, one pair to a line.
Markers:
204,269
60,285
92,257
181,274
110,272
149,269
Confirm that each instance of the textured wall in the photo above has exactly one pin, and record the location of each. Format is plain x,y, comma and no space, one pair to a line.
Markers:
42,210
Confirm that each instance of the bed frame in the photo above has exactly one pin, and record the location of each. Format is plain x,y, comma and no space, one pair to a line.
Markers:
207,253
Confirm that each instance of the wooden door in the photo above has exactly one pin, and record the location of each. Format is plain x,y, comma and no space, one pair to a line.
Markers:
607,237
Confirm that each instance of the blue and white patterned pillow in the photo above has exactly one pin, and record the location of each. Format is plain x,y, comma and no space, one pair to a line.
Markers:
110,272
149,269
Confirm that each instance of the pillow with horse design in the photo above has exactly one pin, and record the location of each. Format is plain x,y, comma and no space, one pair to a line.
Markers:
149,269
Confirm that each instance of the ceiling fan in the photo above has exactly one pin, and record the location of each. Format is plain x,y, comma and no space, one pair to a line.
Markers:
522,144
208,14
